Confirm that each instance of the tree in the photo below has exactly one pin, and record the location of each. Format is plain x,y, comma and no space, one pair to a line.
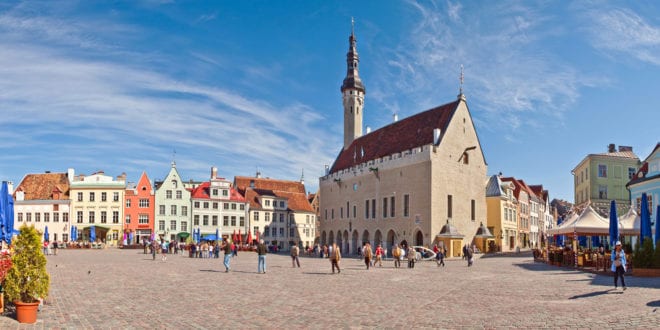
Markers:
27,281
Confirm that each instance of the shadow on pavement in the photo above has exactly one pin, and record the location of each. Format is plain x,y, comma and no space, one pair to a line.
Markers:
655,303
595,293
521,254
316,273
211,271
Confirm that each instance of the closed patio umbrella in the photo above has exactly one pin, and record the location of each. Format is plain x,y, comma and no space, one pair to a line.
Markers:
249,237
46,235
645,220
92,234
657,227
614,224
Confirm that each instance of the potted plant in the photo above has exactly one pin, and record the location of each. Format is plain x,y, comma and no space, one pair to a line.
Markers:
27,281
5,266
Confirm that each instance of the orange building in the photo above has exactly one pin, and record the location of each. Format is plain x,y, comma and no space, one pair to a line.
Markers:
139,211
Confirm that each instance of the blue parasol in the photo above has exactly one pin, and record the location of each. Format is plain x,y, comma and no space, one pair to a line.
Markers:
217,234
645,220
582,241
614,224
595,241
92,234
46,235
4,205
657,228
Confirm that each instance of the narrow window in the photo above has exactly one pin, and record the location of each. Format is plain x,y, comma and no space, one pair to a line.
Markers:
449,206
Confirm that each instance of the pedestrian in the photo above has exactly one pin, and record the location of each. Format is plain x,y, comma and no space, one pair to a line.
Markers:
335,257
55,248
154,248
294,256
226,248
469,255
440,256
465,251
45,247
619,265
411,257
396,254
163,247
261,253
379,256
368,254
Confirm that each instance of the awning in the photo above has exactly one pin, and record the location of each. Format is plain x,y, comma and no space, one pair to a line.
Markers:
183,234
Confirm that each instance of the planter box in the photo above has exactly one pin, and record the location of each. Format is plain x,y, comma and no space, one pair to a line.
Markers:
646,272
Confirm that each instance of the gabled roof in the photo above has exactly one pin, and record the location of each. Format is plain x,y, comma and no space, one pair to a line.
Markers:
405,134
41,186
293,191
494,187
202,192
643,171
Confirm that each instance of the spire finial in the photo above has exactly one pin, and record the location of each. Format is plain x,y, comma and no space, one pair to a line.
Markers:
352,26
460,88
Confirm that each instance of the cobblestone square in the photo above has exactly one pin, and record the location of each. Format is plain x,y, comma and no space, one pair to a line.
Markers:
126,289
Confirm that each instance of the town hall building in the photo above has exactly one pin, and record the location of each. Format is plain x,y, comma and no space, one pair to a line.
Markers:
417,181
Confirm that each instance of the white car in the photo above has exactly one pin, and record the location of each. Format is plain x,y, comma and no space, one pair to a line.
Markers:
423,253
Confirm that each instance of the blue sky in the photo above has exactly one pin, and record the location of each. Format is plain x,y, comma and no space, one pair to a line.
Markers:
126,86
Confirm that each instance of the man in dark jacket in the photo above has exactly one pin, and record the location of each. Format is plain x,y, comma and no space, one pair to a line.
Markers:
226,248
261,252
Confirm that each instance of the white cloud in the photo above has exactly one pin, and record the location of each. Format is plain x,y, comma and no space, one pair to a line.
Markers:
508,74
114,112
624,31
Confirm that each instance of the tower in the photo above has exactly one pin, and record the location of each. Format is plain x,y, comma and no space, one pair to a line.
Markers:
352,91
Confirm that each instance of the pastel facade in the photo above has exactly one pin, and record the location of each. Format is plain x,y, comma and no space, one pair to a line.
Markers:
279,211
402,183
502,208
647,180
172,208
42,200
98,200
218,206
139,211
601,178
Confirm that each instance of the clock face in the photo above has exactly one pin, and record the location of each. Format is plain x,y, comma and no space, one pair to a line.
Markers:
355,186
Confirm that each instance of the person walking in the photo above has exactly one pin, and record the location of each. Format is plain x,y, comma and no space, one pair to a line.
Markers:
379,256
154,248
440,256
55,248
163,251
469,255
335,256
294,256
396,254
619,265
368,254
411,257
226,248
262,249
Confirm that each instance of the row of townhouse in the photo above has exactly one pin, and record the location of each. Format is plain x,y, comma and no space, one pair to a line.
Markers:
172,209
519,215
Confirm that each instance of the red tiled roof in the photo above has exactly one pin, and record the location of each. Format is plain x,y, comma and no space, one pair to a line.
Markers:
41,186
293,191
406,134
202,192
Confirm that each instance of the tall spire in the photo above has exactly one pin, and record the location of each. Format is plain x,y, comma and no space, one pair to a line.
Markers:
461,96
352,80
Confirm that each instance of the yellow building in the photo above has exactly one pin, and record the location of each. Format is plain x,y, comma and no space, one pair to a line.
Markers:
97,206
502,209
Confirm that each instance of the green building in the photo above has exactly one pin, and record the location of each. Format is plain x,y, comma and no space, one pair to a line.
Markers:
601,178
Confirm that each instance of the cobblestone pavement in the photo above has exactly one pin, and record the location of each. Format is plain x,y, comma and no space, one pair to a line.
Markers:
125,289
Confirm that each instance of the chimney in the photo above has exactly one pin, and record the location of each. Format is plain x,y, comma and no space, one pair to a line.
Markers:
122,177
70,174
214,172
395,117
611,148
436,136
10,187
368,129
258,175
625,148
